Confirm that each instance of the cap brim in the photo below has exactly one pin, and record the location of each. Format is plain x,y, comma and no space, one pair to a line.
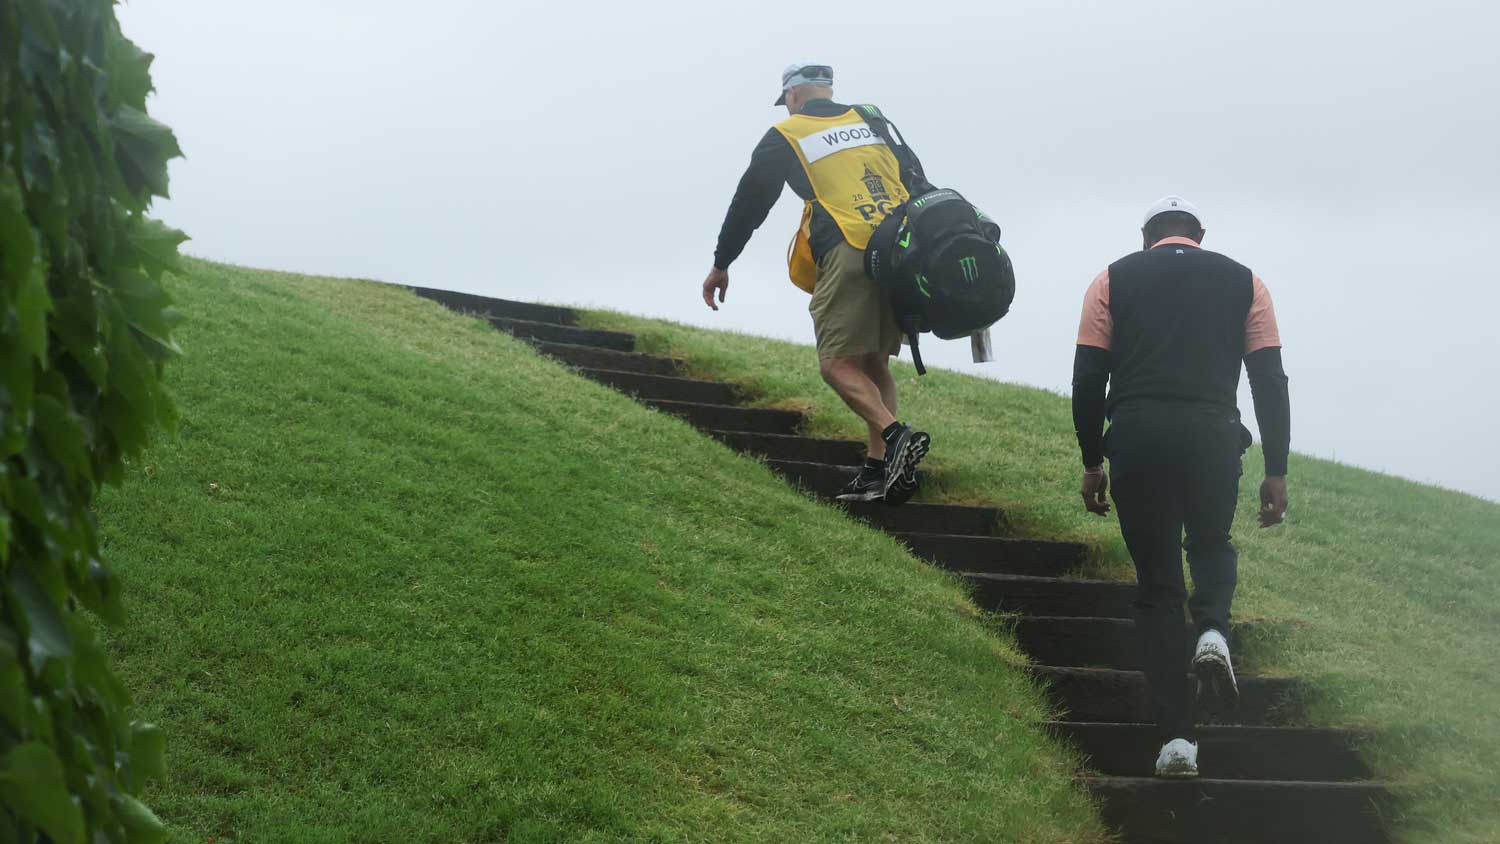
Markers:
781,100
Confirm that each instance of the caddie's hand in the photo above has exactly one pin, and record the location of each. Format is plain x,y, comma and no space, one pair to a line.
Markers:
1272,500
717,280
1095,489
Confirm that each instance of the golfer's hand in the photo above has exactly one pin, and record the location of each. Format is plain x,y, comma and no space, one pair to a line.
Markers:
717,280
1272,500
1095,489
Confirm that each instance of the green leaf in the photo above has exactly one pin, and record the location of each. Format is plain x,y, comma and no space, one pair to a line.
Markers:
143,147
156,246
32,306
34,787
63,435
46,633
142,826
13,692
148,751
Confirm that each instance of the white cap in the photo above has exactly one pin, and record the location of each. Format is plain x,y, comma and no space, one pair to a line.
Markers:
1172,203
803,73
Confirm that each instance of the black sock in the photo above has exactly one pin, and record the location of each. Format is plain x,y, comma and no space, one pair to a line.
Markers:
890,430
874,463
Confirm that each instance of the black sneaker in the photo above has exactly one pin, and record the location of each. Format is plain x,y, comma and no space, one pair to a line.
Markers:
868,485
904,449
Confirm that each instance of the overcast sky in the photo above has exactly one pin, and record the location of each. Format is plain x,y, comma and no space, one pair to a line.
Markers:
585,153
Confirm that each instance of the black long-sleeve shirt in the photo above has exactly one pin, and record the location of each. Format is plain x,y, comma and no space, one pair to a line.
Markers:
774,163
1174,323
1268,388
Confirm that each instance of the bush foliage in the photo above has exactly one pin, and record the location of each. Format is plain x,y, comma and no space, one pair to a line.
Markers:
85,329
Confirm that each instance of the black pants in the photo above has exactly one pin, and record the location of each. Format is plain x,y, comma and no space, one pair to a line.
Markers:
1175,467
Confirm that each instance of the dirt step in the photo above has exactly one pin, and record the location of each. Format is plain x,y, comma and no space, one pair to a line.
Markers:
501,308
1223,811
664,386
996,555
918,517
1114,696
554,333
800,449
593,357
1226,753
1097,642
721,417
1052,596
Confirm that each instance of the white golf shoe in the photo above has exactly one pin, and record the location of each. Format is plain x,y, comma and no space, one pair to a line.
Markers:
1178,759
1217,691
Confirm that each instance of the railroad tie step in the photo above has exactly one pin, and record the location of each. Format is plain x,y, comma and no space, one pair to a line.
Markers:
824,480
794,448
487,306
1114,696
554,333
920,517
593,357
758,420
1099,642
1276,753
1224,811
996,555
665,387
1051,596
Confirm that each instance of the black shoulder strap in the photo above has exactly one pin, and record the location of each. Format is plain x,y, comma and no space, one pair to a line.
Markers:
912,174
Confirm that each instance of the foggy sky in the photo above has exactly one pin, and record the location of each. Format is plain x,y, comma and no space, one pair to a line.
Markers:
585,154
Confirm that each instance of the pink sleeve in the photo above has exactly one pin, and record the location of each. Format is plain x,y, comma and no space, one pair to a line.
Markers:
1260,325
1096,327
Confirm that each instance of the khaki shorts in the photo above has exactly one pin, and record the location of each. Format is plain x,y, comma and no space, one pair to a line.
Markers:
850,315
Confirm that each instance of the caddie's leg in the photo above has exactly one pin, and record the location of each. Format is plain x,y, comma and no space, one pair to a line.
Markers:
849,377
849,316
878,367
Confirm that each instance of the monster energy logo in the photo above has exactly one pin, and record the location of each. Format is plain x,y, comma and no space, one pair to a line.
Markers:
922,285
970,268
905,240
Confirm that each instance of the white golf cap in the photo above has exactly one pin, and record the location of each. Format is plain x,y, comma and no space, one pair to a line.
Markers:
1173,203
803,73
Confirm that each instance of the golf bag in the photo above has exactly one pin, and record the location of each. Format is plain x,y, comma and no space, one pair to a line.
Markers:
940,262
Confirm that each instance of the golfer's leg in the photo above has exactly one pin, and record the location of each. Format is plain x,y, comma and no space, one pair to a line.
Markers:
1213,491
1149,502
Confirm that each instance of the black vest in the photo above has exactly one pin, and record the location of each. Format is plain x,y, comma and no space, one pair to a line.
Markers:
1179,317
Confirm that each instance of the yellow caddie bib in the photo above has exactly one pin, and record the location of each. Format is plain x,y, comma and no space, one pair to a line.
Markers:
855,178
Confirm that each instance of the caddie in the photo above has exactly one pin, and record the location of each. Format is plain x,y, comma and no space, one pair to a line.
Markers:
849,180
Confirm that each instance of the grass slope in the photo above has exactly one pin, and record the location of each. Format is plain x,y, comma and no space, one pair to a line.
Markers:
399,579
1391,589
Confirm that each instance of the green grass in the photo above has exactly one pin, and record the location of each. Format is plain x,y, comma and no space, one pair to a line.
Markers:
399,579
1388,591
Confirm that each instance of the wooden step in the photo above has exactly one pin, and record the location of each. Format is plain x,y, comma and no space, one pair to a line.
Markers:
666,387
824,480
799,449
993,554
593,357
487,306
554,333
1222,811
1114,696
722,417
1099,642
1051,595
1230,753
920,517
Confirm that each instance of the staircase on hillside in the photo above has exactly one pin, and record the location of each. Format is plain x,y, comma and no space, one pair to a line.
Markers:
1263,780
